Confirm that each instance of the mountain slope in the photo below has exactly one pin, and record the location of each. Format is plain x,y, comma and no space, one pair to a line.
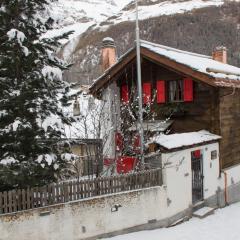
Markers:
155,8
199,30
80,15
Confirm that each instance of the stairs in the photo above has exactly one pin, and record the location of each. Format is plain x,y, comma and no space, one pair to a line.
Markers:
198,206
203,212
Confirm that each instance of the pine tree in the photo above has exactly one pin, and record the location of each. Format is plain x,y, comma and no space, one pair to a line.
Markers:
31,89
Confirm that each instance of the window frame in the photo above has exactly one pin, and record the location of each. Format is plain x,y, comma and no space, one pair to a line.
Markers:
170,91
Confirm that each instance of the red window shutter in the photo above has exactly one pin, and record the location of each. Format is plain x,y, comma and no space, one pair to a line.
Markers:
161,93
147,92
188,90
125,94
119,141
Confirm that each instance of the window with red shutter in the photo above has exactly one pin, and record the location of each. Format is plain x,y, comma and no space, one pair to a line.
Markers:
147,92
188,90
176,91
161,92
125,94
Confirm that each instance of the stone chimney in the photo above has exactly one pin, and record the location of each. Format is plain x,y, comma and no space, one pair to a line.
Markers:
109,56
220,54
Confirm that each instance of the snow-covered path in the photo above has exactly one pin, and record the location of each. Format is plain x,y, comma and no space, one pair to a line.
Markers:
223,225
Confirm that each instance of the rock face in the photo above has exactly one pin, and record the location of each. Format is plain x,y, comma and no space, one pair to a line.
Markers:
192,25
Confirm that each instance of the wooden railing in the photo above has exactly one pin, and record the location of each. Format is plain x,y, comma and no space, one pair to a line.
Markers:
19,200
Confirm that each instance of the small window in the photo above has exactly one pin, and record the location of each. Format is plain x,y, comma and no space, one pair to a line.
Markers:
176,91
214,155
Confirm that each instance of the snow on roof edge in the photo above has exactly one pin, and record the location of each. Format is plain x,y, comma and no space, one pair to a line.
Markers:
179,140
175,49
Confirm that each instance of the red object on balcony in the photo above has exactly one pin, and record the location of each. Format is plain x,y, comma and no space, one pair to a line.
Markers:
147,92
188,90
118,141
197,153
161,92
126,164
125,94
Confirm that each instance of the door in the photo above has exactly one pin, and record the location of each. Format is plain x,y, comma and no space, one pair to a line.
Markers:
197,176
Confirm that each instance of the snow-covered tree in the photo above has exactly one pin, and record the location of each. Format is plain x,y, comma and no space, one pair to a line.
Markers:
30,86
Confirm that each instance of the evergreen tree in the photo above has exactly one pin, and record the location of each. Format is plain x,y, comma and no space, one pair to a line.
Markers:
30,88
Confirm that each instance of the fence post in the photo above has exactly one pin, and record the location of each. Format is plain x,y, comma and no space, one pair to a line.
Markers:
14,200
1,203
5,202
9,201
66,192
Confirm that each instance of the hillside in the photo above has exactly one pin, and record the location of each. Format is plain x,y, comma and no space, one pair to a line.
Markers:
198,30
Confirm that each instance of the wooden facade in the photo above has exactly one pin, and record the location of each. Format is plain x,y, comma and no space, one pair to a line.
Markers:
229,115
201,113
214,108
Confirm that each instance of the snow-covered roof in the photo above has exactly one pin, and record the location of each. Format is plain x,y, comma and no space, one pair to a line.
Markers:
210,71
174,141
201,63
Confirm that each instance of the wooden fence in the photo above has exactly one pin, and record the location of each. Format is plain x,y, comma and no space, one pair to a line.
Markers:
19,200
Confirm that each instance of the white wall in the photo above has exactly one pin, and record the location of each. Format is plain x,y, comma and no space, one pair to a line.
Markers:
177,178
66,222
233,176
178,174
211,170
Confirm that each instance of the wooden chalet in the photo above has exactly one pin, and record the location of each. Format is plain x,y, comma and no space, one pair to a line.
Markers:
204,91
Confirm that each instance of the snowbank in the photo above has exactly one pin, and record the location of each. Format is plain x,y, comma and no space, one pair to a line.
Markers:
224,224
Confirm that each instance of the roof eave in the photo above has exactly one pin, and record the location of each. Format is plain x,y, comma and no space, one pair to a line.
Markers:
181,68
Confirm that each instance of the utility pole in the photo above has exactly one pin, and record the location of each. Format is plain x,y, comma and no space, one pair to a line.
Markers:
139,81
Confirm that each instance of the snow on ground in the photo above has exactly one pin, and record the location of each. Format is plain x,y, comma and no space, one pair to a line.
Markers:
224,224
79,15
